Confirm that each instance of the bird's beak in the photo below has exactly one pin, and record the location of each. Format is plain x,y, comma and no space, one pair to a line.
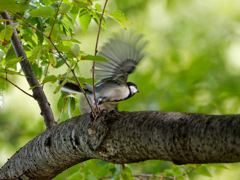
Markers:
138,91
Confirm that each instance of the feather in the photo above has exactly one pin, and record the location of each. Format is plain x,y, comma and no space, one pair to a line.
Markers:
124,51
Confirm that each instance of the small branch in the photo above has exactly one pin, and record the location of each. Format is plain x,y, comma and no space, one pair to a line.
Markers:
62,109
55,19
20,17
99,29
16,86
46,72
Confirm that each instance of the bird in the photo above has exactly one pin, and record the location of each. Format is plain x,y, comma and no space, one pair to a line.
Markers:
123,51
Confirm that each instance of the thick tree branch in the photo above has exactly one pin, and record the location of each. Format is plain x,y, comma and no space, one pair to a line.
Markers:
129,137
38,93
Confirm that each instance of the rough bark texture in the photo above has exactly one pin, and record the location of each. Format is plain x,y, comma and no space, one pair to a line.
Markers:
128,137
38,93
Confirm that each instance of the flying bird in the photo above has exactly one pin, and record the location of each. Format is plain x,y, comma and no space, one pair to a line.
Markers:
123,52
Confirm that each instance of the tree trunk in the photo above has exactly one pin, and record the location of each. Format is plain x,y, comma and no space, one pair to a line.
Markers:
128,137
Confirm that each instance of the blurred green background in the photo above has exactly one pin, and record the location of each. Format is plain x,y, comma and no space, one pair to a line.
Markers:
193,66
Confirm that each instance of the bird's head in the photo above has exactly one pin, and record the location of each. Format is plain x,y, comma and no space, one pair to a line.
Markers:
133,88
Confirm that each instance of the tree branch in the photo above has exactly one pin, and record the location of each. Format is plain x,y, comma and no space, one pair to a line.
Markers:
38,93
128,137
28,24
49,36
16,86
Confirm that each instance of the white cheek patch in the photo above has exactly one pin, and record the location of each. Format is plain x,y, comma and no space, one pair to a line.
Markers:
133,89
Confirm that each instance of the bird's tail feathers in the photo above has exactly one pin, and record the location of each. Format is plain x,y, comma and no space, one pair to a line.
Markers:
73,88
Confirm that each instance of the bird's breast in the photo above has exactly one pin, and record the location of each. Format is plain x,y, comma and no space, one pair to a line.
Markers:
116,94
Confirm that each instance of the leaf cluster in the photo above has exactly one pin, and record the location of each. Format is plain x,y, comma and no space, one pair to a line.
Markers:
48,31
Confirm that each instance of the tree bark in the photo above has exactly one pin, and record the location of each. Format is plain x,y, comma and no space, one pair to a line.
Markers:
127,137
38,93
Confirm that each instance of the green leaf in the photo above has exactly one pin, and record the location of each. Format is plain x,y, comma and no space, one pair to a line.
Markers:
60,62
98,7
85,21
60,103
12,62
127,172
217,166
6,33
169,172
11,5
64,8
63,48
64,81
38,71
74,51
40,26
75,41
10,72
55,31
52,60
71,105
94,58
44,12
60,86
79,5
76,176
11,53
119,17
47,2
202,170
89,176
97,17
178,171
51,79
116,172
38,51
101,163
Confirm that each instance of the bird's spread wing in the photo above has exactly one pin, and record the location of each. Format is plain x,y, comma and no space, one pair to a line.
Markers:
124,51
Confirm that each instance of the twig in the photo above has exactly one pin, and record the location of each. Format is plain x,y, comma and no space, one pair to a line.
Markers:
55,19
16,86
20,17
62,109
99,29
96,118
46,72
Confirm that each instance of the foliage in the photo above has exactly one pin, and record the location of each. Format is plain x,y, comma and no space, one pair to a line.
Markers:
194,67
